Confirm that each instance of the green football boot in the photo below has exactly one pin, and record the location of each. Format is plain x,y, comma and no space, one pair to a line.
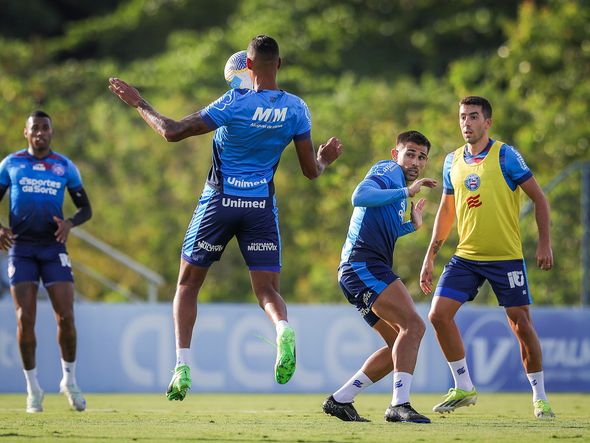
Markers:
543,409
456,398
285,364
180,383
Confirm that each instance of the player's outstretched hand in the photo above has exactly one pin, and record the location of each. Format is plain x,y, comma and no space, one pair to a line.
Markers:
6,238
414,188
416,211
63,229
329,151
125,91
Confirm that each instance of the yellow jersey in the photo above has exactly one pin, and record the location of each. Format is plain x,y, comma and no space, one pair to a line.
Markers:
487,209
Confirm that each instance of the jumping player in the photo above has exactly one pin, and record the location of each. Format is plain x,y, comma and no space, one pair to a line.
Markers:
368,282
252,128
37,178
482,182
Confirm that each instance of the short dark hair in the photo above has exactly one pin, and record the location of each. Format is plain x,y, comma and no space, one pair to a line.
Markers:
413,136
474,100
264,47
39,113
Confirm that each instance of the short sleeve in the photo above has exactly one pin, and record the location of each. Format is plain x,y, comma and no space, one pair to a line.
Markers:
447,184
303,128
220,112
74,177
514,166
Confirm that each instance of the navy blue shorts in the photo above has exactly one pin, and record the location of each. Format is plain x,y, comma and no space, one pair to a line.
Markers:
29,262
462,278
219,217
362,283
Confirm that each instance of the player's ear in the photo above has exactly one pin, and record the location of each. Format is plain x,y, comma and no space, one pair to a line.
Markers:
279,64
248,63
394,154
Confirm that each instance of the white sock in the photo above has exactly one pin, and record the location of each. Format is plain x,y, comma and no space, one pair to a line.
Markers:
32,382
537,380
68,370
281,324
402,382
352,388
182,356
460,373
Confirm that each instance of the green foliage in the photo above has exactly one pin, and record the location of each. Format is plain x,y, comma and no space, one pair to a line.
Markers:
368,70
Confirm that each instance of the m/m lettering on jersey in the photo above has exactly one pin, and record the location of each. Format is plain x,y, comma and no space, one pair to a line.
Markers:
239,203
267,115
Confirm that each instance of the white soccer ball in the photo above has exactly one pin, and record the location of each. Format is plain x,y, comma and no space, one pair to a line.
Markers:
236,72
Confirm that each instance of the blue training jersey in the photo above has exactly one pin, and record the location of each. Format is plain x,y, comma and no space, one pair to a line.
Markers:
374,230
253,129
37,189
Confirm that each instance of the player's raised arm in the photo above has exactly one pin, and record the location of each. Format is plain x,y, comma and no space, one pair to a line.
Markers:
172,130
313,165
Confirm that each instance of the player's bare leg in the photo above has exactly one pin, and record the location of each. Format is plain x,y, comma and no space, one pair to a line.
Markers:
376,366
184,307
442,316
395,307
24,296
266,287
61,295
519,319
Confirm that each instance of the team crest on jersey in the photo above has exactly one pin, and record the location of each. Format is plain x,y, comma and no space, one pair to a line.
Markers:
472,182
39,167
58,169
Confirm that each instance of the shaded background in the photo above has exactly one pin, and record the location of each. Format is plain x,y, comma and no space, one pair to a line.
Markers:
368,70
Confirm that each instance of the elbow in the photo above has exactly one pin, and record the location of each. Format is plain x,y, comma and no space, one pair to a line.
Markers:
172,131
171,136
312,175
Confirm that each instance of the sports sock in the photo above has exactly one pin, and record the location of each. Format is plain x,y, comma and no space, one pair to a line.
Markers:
281,324
68,370
460,373
402,381
182,356
32,382
537,380
352,388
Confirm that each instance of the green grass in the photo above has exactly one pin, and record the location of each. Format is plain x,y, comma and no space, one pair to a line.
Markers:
287,418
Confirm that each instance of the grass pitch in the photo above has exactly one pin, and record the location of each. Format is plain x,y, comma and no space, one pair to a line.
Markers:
287,418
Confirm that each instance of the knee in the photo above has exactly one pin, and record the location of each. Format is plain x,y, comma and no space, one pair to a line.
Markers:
418,327
65,319
522,327
25,320
438,318
414,327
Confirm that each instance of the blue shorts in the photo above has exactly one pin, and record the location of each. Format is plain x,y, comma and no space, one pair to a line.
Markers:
219,217
362,283
29,262
462,279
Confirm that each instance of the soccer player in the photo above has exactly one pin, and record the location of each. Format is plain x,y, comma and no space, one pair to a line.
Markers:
482,182
37,178
368,282
252,128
